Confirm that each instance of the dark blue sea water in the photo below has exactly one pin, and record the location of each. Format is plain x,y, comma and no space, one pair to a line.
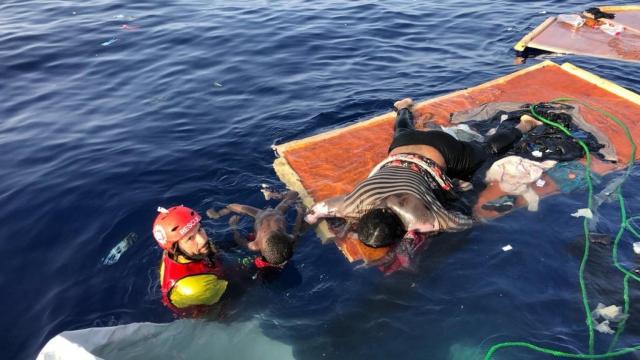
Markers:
183,107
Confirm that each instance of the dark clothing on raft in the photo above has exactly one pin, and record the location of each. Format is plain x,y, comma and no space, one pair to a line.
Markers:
461,157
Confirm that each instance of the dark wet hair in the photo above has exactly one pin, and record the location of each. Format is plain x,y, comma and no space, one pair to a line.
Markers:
277,248
380,227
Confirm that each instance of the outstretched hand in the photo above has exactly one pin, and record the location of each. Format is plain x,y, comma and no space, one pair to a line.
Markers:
233,222
212,214
317,211
311,217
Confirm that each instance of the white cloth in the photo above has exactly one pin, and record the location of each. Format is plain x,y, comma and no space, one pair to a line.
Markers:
514,175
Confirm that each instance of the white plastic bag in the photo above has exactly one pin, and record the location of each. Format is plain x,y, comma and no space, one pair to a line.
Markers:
571,19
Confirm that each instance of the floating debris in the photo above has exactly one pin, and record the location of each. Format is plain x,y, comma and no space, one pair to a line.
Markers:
507,248
583,213
107,43
609,313
540,183
129,27
217,84
636,247
118,250
603,327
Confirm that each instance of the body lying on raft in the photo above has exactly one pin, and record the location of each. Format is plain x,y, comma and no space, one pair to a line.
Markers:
405,193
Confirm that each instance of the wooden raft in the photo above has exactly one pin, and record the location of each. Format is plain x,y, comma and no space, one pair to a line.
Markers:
332,163
557,37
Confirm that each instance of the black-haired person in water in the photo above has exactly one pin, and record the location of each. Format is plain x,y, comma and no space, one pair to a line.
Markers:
404,194
270,238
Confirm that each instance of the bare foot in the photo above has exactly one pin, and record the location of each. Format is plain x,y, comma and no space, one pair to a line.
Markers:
527,123
405,103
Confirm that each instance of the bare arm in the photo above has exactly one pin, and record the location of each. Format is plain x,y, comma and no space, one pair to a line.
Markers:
297,226
289,199
413,213
332,207
239,239
233,208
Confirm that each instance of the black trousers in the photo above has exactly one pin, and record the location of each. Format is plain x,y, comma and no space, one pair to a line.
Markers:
462,158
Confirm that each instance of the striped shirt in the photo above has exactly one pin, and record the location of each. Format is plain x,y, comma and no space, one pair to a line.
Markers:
400,180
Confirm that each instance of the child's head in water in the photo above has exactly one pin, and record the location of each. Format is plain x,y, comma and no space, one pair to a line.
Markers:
277,248
270,237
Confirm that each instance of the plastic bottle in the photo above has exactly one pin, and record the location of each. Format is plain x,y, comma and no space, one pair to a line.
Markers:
119,249
571,19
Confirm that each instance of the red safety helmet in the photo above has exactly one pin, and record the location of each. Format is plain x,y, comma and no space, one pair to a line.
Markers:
173,224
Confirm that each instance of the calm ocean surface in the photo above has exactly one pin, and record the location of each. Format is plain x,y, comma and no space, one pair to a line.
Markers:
100,123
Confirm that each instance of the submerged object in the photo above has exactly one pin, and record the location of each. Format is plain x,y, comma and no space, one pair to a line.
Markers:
119,249
611,32
109,42
501,204
317,168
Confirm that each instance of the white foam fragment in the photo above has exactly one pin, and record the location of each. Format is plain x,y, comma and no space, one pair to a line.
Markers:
540,183
636,247
536,153
609,313
604,328
507,248
586,212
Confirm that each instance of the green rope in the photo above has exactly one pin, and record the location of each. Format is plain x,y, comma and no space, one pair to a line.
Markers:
630,227
585,226
557,353
625,224
625,314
